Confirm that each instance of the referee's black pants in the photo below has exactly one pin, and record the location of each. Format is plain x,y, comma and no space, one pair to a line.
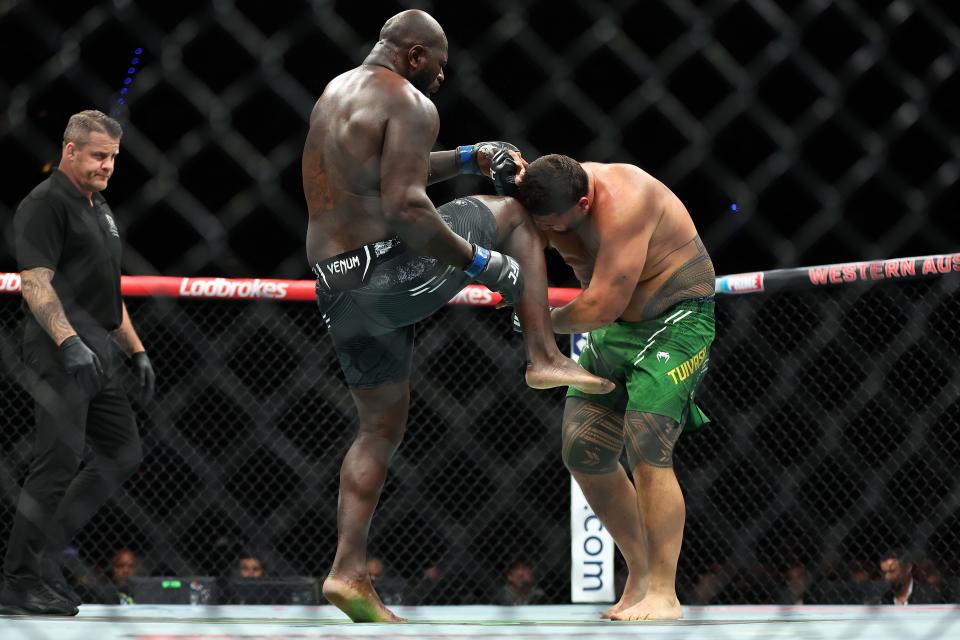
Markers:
56,500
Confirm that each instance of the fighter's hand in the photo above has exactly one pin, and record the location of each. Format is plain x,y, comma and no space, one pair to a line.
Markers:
498,272
82,363
145,376
505,169
475,159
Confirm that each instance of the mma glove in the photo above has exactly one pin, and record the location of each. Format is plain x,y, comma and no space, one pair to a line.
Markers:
82,363
145,375
468,157
498,272
503,172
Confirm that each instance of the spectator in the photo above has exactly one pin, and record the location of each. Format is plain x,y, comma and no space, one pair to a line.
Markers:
929,573
116,588
391,588
863,585
429,589
249,566
860,572
123,566
707,585
753,584
245,583
796,585
897,571
519,586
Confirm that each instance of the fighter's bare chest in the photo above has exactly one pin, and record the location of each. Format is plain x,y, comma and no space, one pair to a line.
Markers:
580,246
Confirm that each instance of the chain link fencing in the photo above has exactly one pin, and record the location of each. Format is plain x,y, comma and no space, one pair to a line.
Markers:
831,126
834,439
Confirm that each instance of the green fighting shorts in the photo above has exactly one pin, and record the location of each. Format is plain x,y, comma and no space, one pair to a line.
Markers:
656,364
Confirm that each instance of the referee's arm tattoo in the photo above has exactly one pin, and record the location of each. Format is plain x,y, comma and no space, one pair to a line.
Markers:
37,290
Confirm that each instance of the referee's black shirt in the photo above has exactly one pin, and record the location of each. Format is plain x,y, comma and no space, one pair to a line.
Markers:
55,227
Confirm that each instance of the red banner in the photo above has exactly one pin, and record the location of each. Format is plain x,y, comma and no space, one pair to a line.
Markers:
479,296
895,268
266,289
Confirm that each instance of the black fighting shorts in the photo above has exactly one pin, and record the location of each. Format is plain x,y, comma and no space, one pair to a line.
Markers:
371,297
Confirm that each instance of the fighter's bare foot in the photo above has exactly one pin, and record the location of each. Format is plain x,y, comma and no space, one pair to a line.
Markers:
615,609
633,592
654,606
358,600
562,372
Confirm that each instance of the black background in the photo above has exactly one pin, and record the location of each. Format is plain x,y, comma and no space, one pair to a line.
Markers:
832,126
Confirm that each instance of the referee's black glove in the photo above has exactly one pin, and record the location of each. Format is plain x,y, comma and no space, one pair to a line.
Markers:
145,375
82,363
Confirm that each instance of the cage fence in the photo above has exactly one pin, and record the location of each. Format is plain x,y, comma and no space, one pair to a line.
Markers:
833,440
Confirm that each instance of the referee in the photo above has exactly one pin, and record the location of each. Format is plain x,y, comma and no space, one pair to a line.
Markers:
68,253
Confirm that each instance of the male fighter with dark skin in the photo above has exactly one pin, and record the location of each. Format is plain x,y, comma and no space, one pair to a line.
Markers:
637,254
366,165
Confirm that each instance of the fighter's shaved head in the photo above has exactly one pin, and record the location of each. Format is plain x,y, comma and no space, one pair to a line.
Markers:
413,45
411,27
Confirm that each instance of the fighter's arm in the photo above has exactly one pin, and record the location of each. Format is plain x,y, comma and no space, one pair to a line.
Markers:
404,169
622,253
473,159
443,166
36,286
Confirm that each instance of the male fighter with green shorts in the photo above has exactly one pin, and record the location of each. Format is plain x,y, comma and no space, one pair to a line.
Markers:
647,303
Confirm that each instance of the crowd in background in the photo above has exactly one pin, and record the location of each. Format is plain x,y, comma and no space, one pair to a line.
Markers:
896,578
893,578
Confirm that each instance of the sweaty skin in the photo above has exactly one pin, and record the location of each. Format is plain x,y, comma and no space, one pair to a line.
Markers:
636,252
365,167
652,256
366,163
547,367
